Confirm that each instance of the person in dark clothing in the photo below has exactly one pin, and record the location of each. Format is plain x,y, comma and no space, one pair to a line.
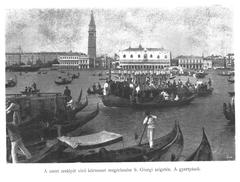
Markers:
67,93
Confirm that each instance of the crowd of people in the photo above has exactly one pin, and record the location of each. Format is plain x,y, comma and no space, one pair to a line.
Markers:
145,87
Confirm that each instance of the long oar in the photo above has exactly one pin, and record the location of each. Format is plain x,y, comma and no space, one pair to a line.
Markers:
142,134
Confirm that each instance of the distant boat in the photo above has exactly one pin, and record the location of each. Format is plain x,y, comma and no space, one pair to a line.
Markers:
23,68
63,81
11,82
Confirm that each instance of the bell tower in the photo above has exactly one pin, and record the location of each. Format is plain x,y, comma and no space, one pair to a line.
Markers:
92,42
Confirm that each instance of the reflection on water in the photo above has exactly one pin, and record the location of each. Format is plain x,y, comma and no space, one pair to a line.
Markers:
202,112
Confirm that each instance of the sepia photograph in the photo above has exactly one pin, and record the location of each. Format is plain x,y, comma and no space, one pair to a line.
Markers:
97,85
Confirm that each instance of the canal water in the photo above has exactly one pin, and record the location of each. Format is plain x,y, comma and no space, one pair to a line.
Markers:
204,112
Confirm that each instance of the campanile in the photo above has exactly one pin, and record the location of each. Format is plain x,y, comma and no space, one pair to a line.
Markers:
92,42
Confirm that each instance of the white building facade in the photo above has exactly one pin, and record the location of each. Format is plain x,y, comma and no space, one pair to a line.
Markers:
207,64
73,61
190,62
144,58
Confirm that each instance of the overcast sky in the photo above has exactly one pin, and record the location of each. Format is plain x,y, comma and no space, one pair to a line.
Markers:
183,31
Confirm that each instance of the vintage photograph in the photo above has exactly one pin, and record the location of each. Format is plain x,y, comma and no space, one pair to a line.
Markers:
119,85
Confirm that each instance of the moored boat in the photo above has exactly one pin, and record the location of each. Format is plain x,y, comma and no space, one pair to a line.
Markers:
203,152
166,148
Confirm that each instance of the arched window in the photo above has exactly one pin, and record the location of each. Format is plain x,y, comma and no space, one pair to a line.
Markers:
151,55
165,56
139,56
124,56
131,56
158,56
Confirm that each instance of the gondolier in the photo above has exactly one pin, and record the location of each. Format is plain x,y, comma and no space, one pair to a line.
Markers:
150,122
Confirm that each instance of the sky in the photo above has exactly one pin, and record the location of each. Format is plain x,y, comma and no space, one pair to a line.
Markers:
182,30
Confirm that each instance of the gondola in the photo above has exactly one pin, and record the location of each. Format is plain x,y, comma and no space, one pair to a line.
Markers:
203,152
62,81
75,76
231,80
38,133
11,82
166,148
231,94
203,92
115,101
46,153
229,112
32,92
200,74
98,91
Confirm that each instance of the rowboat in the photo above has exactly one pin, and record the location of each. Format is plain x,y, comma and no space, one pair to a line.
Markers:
229,112
204,92
95,140
166,148
203,152
115,101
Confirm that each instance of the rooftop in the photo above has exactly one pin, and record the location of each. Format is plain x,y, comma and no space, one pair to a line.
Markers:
189,57
140,48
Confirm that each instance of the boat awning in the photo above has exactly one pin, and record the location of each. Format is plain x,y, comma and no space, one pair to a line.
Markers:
94,140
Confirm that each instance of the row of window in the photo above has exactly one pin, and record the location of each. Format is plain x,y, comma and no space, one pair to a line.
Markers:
190,61
145,56
75,63
69,57
139,67
191,66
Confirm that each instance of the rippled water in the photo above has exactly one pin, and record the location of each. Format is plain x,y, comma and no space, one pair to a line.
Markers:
202,112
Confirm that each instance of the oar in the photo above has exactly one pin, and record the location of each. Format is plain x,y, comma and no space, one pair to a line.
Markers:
142,134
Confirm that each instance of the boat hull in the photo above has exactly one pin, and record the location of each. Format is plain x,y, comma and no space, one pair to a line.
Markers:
114,101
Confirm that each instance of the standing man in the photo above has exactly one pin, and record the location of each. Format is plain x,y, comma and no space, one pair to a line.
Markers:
67,93
149,121
14,134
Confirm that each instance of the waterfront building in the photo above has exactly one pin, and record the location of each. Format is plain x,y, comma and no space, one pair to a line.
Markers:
207,64
190,62
144,58
14,58
218,61
72,60
92,42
